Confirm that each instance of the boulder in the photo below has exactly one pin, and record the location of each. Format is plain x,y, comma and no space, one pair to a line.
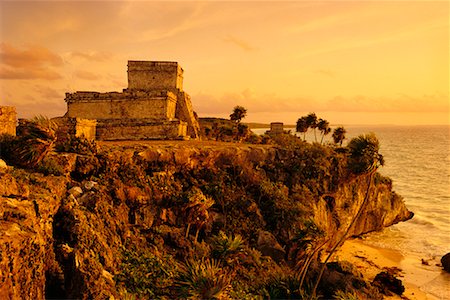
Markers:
269,246
2,164
387,283
445,261
75,191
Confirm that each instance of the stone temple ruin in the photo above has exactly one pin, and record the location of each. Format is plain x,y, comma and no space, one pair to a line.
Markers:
154,106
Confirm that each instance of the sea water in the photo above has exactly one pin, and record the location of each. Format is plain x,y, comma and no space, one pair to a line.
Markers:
417,159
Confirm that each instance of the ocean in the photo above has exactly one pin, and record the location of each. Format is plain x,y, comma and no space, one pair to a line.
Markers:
417,159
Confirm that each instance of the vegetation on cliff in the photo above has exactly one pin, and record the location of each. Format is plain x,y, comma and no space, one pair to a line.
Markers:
224,222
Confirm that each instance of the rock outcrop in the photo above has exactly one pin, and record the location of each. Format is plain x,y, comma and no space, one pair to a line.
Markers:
445,261
64,236
28,203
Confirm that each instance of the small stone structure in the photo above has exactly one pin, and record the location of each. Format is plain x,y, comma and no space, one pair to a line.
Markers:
276,128
154,106
8,120
75,127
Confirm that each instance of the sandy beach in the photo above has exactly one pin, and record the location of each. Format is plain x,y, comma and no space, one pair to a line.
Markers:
421,281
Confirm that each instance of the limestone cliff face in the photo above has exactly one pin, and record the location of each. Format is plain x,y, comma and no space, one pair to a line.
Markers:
64,236
383,208
28,203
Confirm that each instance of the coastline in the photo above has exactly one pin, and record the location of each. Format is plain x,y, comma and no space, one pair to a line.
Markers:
422,282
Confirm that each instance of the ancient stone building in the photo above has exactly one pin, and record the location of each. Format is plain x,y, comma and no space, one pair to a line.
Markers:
8,120
276,128
154,106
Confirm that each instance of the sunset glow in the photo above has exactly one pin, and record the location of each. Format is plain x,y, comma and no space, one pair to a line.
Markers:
350,62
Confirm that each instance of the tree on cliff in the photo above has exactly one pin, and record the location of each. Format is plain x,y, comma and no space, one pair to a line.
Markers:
311,121
339,135
302,126
364,155
239,112
324,128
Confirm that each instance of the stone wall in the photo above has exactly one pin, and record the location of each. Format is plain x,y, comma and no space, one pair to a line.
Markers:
186,114
140,129
154,75
76,127
8,120
91,105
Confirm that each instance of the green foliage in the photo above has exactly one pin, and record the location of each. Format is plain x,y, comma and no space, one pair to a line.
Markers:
204,279
279,209
324,128
223,245
239,112
285,285
36,139
79,145
302,126
306,236
147,274
364,155
339,135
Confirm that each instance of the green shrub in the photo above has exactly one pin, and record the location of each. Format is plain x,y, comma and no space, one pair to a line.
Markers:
223,245
204,279
147,274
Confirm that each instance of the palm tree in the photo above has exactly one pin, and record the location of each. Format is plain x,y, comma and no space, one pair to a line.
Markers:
311,121
239,112
196,210
302,126
339,135
364,155
324,127
37,138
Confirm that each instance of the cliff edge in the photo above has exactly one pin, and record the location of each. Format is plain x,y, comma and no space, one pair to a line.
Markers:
91,232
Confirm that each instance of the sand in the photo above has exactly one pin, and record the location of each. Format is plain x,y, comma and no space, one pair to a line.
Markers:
420,281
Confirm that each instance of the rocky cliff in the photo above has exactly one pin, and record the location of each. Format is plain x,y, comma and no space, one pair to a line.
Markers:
72,236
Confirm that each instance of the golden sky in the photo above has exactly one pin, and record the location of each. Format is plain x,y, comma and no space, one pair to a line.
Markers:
361,62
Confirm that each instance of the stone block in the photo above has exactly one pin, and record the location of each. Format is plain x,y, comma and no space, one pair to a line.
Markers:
8,120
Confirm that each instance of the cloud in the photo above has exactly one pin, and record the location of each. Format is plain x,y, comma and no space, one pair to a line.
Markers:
213,105
401,104
49,93
240,43
31,73
32,62
255,103
30,56
86,75
92,56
